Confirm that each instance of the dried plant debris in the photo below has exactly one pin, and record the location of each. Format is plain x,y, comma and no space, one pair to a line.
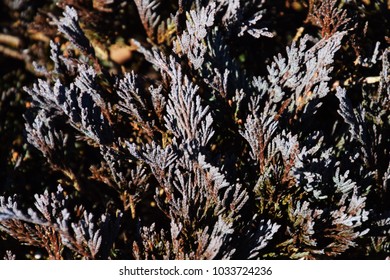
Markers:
185,153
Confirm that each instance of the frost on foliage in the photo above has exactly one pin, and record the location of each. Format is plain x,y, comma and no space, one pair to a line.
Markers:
289,162
342,183
250,25
43,136
238,166
131,102
195,191
191,42
160,249
195,196
51,226
186,117
69,26
368,123
80,102
305,72
245,15
158,245
294,86
343,226
262,237
149,18
303,229
131,184
160,160
347,224
350,117
259,129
